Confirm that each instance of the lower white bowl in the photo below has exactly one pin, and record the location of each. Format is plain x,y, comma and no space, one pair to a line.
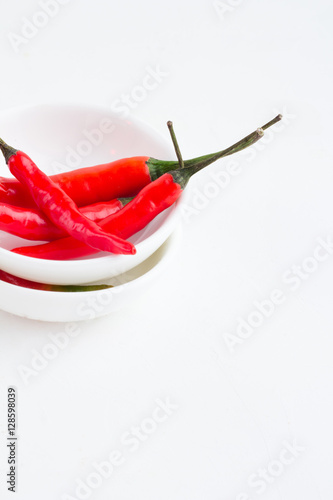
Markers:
78,306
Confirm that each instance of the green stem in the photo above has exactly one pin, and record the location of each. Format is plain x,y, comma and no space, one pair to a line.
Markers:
183,176
272,122
204,161
175,144
7,151
159,167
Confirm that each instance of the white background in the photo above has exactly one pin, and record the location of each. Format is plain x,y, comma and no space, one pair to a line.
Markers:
228,67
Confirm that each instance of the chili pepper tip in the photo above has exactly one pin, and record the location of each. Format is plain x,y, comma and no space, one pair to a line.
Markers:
7,151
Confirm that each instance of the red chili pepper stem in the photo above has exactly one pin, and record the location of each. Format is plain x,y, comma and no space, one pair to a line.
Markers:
182,176
7,151
157,166
175,144
272,122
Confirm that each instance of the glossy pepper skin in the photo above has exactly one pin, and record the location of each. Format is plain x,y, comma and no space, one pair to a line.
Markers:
152,200
32,224
15,280
58,206
117,179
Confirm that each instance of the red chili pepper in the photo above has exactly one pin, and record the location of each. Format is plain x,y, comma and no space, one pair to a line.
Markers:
118,179
32,224
15,280
88,185
58,206
152,200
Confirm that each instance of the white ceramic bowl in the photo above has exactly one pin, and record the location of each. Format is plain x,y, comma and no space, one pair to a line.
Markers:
62,137
79,306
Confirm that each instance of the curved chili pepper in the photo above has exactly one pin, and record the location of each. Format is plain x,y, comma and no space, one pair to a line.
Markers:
117,179
58,206
88,185
32,224
152,200
15,280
